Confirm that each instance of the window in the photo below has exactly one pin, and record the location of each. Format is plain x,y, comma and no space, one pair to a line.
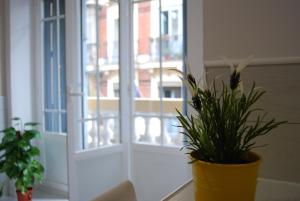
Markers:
100,69
164,23
157,90
54,73
171,92
158,49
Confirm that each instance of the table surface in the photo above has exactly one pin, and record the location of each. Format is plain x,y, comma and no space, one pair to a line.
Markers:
183,193
186,193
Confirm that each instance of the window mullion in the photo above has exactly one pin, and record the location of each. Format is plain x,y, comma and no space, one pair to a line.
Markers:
160,78
58,67
51,64
84,85
126,82
97,73
52,18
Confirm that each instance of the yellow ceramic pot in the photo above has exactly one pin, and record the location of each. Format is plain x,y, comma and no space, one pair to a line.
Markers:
226,182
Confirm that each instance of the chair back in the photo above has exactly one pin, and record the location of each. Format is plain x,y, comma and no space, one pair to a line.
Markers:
122,192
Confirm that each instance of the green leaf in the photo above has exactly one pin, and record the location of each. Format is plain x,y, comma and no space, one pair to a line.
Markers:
31,134
1,189
31,124
34,151
17,159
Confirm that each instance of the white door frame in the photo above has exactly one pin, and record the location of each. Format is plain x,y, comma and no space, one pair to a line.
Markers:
73,66
73,69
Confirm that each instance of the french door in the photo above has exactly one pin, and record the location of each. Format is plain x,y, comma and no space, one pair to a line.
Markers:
97,153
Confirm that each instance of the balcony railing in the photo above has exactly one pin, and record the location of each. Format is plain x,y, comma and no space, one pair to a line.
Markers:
150,126
109,49
171,46
156,129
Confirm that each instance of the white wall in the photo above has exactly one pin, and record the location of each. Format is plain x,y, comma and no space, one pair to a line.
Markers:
15,60
195,36
19,59
2,56
269,30
236,28
2,65
2,126
22,96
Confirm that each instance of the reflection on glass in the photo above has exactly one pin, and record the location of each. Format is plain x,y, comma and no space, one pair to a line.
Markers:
50,8
158,49
50,65
101,73
61,7
54,68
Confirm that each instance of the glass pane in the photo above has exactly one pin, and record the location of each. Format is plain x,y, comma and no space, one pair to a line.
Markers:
62,60
61,7
49,8
90,35
158,90
54,68
147,73
50,65
164,23
51,122
64,122
171,30
91,138
171,88
101,72
109,129
109,72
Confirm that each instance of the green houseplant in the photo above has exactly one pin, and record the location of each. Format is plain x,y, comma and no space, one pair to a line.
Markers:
17,159
220,137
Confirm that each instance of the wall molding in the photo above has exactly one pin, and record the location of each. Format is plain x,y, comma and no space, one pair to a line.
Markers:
255,62
2,113
275,190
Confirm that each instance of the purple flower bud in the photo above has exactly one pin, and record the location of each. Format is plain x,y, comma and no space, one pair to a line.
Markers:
191,80
234,80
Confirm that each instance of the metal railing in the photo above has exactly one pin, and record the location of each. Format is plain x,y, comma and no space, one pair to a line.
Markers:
110,51
171,47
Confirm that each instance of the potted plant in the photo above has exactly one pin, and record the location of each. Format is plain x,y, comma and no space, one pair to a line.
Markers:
17,158
220,137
